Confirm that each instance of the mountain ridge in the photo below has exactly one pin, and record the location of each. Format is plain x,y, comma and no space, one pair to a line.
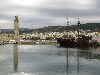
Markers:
88,26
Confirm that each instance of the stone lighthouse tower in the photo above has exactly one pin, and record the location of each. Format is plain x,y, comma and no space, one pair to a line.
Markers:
16,30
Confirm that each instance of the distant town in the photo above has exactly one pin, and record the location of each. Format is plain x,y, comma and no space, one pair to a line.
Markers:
46,34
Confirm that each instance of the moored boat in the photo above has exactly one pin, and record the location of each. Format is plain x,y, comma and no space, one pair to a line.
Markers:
83,41
79,41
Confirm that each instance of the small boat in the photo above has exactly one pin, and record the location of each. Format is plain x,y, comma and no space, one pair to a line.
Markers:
11,42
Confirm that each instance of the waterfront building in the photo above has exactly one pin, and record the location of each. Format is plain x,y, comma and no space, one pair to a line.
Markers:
1,38
42,37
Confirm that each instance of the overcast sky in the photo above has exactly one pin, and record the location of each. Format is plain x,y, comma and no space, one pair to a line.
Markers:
43,13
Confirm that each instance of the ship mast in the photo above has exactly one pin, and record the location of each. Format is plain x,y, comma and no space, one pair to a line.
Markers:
78,22
67,26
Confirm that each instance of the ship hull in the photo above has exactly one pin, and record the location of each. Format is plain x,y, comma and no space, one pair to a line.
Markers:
72,43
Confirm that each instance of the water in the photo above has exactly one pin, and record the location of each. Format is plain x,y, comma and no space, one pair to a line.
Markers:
48,60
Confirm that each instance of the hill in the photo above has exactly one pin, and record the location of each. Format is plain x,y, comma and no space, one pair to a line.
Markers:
59,28
87,26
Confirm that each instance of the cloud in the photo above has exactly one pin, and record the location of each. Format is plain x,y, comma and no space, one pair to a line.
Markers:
40,13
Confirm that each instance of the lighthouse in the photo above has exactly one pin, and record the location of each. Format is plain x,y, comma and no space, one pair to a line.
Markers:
16,30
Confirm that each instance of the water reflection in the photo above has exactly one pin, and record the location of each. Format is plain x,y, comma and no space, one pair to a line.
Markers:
48,60
78,61
67,62
77,55
15,58
80,55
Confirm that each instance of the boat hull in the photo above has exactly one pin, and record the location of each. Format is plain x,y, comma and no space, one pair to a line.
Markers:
72,43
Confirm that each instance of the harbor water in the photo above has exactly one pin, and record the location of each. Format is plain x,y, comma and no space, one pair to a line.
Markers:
48,60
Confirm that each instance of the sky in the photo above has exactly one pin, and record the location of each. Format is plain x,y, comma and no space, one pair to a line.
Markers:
42,13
